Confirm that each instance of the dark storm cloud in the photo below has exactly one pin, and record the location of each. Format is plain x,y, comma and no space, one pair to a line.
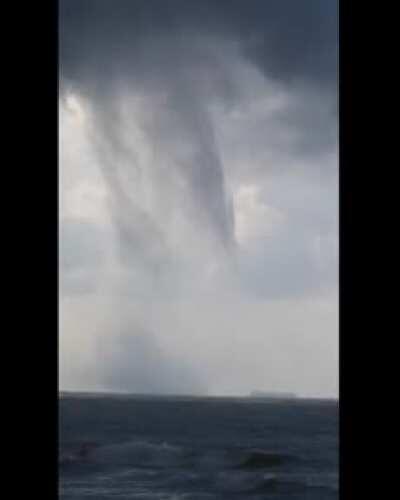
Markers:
287,39
176,48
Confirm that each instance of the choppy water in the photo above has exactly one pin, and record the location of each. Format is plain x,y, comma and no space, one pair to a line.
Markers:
207,448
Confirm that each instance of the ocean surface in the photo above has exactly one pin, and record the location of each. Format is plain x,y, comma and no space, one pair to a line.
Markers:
126,447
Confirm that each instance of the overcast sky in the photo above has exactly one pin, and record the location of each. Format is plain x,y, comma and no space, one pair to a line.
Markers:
198,153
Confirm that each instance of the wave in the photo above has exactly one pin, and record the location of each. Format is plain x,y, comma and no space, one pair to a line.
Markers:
287,487
81,453
146,454
259,459
132,453
245,471
274,484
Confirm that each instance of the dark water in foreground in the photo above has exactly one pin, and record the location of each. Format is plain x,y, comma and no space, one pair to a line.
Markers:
172,448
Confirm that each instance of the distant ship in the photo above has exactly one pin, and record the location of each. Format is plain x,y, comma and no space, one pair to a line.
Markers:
272,395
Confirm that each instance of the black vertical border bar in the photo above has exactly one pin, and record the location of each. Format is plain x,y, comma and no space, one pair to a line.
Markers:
347,257
36,321
29,244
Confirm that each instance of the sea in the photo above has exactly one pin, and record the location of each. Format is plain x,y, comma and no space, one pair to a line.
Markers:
148,447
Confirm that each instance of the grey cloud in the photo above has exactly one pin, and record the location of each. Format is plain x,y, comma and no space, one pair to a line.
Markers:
311,122
286,263
89,251
300,136
285,267
81,256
